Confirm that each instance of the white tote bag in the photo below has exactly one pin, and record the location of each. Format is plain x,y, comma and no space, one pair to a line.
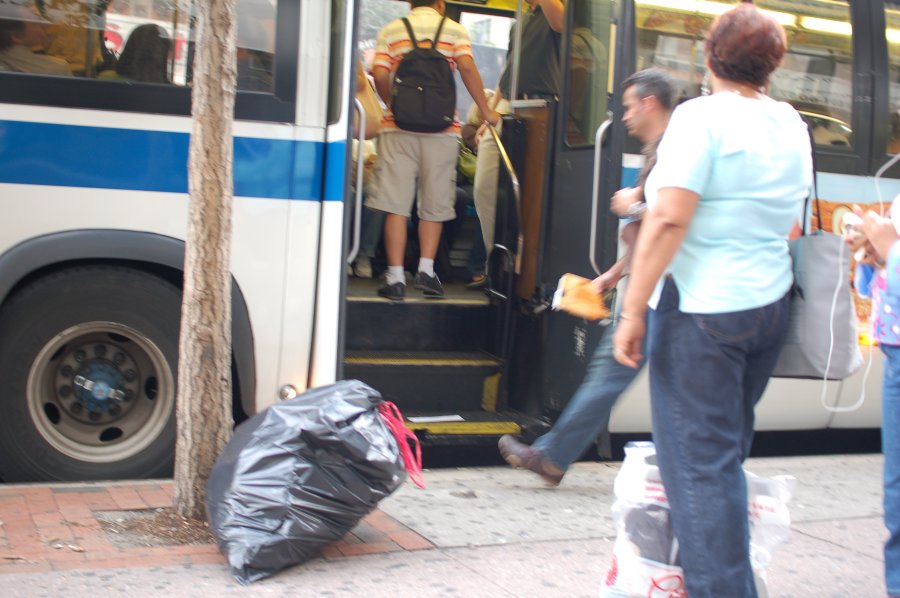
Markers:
822,339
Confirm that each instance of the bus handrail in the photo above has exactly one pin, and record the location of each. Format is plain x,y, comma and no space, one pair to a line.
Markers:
507,163
595,195
360,168
496,247
510,264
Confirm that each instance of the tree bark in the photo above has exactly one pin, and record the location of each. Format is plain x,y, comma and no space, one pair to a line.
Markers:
204,419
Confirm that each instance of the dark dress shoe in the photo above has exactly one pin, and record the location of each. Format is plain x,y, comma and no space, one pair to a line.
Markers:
523,456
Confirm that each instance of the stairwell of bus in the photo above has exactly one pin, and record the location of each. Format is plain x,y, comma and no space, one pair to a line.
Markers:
445,362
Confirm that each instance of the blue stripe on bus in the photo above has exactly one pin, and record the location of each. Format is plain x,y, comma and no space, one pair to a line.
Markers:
629,176
855,189
138,160
334,180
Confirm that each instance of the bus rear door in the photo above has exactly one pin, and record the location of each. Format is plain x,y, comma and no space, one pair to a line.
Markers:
569,169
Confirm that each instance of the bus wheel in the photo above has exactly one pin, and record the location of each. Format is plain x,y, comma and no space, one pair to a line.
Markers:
88,360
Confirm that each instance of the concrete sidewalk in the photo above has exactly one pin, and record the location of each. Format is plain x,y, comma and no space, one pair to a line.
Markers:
474,531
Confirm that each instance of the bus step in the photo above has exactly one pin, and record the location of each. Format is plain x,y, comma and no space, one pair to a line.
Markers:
442,381
471,427
458,322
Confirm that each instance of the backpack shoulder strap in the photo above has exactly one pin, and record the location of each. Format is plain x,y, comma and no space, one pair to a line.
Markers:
437,34
412,36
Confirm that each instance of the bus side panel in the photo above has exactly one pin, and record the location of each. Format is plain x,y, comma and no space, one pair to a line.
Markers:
268,255
798,404
259,251
861,393
300,297
323,369
786,405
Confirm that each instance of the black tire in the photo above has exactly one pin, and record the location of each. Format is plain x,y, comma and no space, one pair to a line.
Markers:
88,360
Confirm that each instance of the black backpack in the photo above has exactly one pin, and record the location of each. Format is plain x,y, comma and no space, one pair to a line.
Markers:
423,96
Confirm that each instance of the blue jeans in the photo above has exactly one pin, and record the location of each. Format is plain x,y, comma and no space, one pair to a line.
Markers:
586,414
890,446
707,373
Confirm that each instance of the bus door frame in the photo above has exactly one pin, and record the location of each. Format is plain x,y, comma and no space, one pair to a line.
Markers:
544,380
879,97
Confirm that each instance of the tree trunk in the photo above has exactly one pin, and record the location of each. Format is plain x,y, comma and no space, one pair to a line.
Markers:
204,419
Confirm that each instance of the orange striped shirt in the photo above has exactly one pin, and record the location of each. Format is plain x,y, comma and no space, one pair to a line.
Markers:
394,42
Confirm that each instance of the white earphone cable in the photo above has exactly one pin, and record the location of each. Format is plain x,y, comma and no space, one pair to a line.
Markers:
841,274
862,394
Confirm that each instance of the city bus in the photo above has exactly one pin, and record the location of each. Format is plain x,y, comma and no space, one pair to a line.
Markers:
93,182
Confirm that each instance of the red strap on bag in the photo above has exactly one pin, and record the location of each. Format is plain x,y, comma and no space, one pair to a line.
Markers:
412,460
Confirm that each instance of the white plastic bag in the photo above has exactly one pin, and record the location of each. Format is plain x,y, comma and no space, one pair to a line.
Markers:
645,555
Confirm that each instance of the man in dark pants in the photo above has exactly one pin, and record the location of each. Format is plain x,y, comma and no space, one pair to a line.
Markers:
539,78
539,71
648,100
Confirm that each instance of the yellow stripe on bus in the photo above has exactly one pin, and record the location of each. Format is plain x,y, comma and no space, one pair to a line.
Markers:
509,5
464,428
489,392
418,361
445,301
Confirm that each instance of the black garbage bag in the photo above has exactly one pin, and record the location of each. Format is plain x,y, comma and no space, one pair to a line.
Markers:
299,476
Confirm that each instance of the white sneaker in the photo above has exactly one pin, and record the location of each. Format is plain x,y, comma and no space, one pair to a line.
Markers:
362,267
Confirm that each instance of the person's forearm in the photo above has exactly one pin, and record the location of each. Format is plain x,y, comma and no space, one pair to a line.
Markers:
555,12
471,78
618,269
382,78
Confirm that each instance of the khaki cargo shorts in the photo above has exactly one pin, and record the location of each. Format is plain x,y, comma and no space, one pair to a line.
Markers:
414,166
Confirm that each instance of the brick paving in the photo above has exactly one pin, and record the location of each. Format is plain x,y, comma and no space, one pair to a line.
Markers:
54,528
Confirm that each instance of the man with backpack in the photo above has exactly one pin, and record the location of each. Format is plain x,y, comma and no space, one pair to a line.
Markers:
417,147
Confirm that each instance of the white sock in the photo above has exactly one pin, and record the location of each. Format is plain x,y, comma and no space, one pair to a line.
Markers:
395,274
426,265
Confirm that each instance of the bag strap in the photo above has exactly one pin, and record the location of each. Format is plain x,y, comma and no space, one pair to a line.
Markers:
814,192
412,36
437,34
410,449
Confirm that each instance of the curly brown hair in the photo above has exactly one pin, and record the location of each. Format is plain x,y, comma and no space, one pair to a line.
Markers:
745,45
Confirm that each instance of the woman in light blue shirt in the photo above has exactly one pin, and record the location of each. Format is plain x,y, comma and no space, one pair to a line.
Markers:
712,261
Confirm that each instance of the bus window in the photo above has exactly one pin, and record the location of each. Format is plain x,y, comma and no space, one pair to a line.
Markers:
672,40
143,41
373,15
588,71
22,31
143,35
817,74
816,77
74,33
92,38
336,61
892,32
255,44
489,34
490,38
